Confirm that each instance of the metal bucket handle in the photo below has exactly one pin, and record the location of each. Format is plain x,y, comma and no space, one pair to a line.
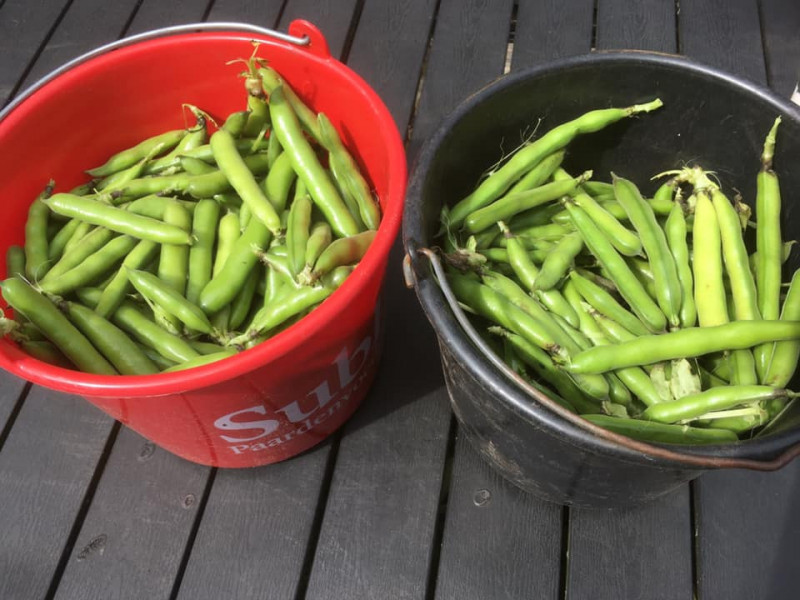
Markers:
308,36
660,452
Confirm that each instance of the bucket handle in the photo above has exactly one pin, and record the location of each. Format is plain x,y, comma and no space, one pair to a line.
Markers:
660,452
302,34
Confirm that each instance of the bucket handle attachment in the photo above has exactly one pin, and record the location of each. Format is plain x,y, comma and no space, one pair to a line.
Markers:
660,452
301,33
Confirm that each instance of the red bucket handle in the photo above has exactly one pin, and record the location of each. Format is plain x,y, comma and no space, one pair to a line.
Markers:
301,33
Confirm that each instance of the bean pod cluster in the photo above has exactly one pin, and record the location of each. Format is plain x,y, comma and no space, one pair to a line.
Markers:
194,244
649,315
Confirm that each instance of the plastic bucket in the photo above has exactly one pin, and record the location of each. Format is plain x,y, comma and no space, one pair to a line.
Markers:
708,117
280,397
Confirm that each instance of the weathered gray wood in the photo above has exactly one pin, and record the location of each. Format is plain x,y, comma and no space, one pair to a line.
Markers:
257,12
724,34
780,26
642,25
76,35
154,14
643,552
749,534
255,530
46,465
24,27
334,18
549,29
470,39
132,539
11,389
388,49
747,523
499,542
377,532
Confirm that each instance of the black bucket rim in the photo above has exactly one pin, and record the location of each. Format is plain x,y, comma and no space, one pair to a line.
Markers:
763,454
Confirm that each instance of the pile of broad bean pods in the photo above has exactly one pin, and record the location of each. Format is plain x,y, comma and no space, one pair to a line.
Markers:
648,316
194,244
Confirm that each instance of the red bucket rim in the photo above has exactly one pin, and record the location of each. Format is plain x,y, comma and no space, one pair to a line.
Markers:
129,386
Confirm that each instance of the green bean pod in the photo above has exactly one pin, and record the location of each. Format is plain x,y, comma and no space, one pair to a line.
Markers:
540,361
271,81
654,242
241,303
162,295
117,219
279,181
555,339
527,272
308,168
15,261
113,343
769,243
539,174
652,431
707,264
242,180
558,261
55,326
721,398
340,252
618,270
675,230
532,154
623,239
114,293
91,243
201,254
298,231
513,204
92,268
684,343
59,241
224,285
227,233
199,361
349,176
782,361
129,318
36,257
606,304
130,156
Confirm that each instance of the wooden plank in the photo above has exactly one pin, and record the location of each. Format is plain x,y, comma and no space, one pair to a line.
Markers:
265,517
470,39
255,530
749,534
723,34
642,25
332,17
780,26
72,37
11,389
746,522
498,542
549,29
24,27
154,14
642,552
46,466
376,537
132,540
257,12
388,50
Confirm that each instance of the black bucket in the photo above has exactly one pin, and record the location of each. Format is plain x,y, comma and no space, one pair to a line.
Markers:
708,118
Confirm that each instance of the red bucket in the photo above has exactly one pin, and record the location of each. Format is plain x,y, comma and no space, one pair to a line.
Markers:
282,396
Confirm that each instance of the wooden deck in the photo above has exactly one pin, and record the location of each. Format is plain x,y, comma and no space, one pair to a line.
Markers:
396,505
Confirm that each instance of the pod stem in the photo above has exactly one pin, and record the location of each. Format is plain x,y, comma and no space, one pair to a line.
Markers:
769,146
644,108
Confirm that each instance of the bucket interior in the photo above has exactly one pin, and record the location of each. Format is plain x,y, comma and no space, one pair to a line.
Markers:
708,119
111,102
